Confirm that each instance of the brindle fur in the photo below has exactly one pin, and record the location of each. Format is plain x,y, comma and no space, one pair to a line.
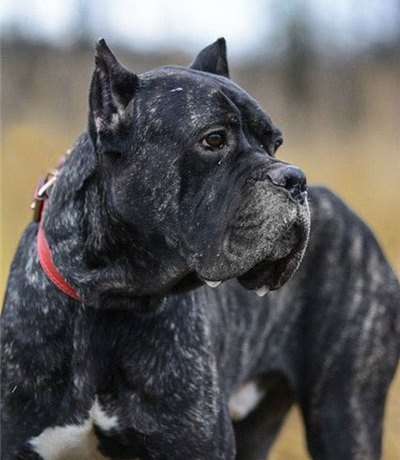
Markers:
141,215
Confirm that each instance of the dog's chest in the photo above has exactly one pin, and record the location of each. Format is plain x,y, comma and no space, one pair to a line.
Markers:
75,441
245,399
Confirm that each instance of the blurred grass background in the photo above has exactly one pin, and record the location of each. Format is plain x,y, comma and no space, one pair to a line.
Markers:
340,114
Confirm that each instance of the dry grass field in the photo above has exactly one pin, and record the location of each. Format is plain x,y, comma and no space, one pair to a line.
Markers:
362,166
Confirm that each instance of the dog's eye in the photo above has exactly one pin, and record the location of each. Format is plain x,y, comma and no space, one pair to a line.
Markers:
214,140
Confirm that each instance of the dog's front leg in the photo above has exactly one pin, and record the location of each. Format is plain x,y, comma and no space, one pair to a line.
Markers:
181,438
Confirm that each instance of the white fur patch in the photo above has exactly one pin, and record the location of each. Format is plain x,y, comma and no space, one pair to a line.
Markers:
244,400
101,419
72,442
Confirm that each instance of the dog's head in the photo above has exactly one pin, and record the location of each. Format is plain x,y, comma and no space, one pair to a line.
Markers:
188,161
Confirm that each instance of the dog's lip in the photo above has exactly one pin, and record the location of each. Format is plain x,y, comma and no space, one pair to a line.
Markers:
272,271
269,274
265,275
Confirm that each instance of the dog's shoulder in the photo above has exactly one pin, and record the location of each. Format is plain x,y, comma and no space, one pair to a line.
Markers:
334,220
328,208
344,252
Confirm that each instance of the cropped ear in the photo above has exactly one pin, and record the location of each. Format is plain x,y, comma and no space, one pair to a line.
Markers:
111,95
213,59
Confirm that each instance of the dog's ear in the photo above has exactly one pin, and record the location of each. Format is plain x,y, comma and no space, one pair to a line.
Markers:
111,95
213,59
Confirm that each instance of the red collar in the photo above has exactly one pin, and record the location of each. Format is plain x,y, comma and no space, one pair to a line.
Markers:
43,248
47,263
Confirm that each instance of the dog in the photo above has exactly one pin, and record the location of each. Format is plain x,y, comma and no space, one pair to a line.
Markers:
157,310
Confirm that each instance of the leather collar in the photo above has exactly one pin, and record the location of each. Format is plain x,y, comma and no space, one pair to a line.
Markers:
44,252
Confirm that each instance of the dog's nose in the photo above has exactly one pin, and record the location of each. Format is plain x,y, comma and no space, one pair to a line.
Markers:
291,178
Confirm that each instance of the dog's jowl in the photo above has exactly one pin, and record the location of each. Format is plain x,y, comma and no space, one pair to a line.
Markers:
136,323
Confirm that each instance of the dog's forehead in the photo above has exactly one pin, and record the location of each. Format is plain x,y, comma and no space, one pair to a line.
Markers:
166,83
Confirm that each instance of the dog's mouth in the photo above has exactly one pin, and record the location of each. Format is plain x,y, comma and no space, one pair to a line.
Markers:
271,275
265,276
261,271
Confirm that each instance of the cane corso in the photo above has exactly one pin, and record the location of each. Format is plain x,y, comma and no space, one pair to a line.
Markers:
155,310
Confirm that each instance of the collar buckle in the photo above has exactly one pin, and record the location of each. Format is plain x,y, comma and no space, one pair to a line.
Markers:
42,193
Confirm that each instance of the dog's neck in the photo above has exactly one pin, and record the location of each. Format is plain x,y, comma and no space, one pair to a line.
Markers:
94,253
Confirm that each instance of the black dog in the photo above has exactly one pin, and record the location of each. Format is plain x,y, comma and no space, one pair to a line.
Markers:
112,345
